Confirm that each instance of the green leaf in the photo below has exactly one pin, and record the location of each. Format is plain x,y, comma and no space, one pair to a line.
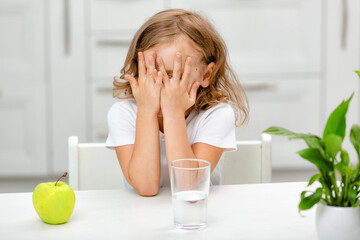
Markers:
309,201
314,178
352,197
303,136
312,141
315,157
355,184
336,123
358,73
341,168
286,132
344,155
333,144
279,131
355,138
302,195
327,191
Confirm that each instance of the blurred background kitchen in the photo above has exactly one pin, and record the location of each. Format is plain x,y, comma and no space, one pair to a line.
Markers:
295,59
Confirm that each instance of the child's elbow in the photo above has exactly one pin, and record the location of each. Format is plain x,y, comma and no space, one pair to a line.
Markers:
149,189
148,192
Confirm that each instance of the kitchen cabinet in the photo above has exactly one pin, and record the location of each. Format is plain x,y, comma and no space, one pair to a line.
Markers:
341,58
112,27
23,89
266,37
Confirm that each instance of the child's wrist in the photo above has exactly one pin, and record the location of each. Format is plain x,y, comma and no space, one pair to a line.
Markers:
147,112
172,113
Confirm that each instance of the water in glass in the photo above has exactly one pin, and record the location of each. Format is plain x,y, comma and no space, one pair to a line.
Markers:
190,209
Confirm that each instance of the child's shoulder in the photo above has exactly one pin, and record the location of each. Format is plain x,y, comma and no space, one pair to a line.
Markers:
124,105
121,103
220,110
223,106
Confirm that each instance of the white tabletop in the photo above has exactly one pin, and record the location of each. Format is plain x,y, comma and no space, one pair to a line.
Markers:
251,211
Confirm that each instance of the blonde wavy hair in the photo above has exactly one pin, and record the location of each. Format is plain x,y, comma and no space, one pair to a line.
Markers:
166,26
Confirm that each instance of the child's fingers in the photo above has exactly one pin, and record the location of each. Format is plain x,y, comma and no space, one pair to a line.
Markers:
186,75
153,53
150,64
141,65
133,82
165,77
155,75
177,67
159,80
193,91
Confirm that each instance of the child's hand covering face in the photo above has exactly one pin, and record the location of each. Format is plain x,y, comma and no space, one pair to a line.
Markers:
178,74
146,89
169,75
176,97
167,51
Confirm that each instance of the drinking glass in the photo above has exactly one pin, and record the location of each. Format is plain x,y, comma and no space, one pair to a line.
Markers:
190,182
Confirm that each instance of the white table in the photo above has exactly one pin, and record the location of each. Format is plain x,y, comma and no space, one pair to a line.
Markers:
252,211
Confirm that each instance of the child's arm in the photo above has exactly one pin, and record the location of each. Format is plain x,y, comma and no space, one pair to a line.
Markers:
177,143
140,162
175,100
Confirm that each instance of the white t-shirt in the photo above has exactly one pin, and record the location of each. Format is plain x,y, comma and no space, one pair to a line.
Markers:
215,126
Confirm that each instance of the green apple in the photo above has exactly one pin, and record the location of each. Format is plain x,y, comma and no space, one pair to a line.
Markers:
54,201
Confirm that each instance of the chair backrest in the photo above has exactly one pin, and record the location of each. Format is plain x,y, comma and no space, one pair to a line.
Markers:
93,166
251,163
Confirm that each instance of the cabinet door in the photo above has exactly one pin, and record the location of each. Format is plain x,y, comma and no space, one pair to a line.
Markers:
342,47
120,15
291,103
266,36
23,145
112,27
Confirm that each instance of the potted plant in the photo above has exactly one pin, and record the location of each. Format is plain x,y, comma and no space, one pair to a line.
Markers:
338,212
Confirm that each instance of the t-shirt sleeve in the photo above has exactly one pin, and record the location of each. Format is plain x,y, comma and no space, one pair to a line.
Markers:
121,120
217,128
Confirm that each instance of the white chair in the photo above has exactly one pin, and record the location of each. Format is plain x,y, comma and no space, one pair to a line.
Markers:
251,163
93,166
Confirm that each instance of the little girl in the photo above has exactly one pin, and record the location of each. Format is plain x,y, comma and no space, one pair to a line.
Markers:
180,99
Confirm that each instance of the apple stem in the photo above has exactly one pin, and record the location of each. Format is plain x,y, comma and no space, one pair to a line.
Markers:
64,175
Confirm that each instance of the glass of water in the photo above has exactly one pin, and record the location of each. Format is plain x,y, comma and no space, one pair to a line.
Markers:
190,182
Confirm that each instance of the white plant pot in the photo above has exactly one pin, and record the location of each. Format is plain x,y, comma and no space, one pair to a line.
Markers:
337,222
